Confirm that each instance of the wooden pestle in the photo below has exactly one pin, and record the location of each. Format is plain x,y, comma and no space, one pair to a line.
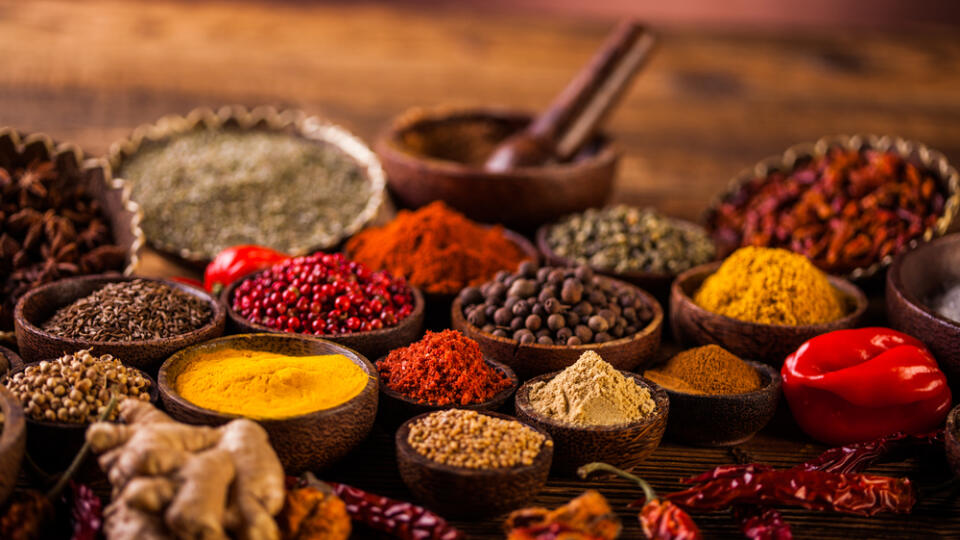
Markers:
575,113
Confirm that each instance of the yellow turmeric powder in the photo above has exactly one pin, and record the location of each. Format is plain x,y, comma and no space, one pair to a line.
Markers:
261,384
771,286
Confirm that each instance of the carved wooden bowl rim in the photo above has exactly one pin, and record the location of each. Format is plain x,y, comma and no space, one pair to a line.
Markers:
896,280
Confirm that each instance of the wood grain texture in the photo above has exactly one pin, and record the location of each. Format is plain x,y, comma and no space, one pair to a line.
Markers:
710,103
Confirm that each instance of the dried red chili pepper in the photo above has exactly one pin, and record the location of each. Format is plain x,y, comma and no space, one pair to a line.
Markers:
86,512
659,518
760,523
403,520
856,457
235,262
27,516
587,517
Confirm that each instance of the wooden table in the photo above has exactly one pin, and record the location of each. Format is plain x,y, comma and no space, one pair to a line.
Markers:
710,103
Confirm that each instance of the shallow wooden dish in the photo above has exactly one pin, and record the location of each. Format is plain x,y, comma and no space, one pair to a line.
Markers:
438,153
951,435
40,304
305,442
396,408
123,215
471,493
768,343
13,438
724,420
372,344
624,446
912,278
528,360
656,283
9,361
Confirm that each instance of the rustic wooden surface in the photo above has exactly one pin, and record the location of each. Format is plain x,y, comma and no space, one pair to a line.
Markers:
709,104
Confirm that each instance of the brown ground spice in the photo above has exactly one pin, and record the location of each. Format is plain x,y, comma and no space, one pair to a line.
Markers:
710,369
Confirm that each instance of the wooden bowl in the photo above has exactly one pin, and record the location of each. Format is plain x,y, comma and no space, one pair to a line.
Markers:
724,420
396,408
458,492
306,442
624,446
371,344
529,360
38,305
438,153
951,436
9,362
913,277
656,283
123,216
768,343
13,438
294,123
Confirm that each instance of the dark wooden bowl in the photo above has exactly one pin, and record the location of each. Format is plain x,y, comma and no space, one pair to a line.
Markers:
9,362
911,280
306,442
122,215
628,353
951,435
768,343
38,305
724,420
13,438
656,283
438,153
371,344
471,493
624,446
53,445
396,408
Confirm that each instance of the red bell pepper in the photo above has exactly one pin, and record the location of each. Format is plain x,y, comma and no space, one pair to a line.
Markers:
235,262
855,385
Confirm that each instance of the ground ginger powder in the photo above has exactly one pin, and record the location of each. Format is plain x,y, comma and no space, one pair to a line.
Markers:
770,286
591,392
261,384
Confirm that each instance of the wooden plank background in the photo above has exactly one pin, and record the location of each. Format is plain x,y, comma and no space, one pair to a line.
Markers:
710,103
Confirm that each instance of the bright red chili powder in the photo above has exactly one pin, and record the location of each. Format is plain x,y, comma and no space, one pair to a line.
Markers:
443,367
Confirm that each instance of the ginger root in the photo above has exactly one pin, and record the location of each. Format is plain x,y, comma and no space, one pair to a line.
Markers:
173,480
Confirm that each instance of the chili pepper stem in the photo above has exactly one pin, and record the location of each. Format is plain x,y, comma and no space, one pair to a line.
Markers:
590,468
81,455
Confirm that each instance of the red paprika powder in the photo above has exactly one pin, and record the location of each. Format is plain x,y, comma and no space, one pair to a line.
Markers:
442,368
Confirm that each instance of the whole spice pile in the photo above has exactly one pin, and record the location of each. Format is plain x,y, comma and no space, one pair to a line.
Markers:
211,189
75,388
436,249
442,368
771,286
130,311
50,228
710,369
555,306
627,239
464,438
262,384
323,294
844,210
591,392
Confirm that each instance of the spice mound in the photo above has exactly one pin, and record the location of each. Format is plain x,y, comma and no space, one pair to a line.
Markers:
75,388
555,306
442,368
844,210
208,190
437,249
710,369
627,239
591,392
771,286
130,311
51,229
323,294
261,384
464,438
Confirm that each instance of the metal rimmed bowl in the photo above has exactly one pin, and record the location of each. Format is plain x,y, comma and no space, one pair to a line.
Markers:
913,151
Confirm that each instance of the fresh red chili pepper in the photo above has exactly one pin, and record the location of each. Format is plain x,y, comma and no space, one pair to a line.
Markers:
659,518
235,262
863,494
856,385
